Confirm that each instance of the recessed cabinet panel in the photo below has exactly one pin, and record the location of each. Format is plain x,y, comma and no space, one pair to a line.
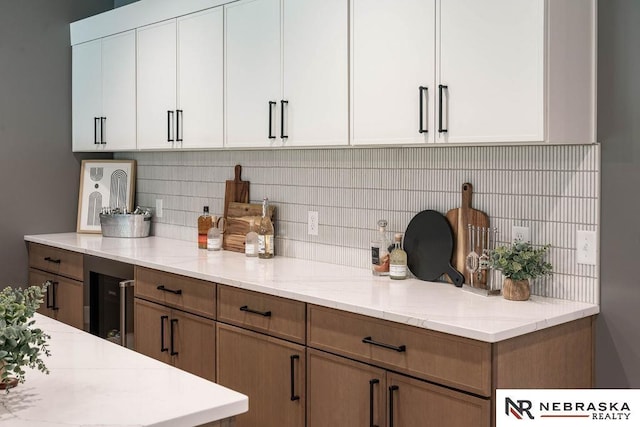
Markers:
86,87
253,73
392,58
491,59
157,85
153,319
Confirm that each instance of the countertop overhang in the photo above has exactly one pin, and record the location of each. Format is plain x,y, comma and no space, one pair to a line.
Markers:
435,306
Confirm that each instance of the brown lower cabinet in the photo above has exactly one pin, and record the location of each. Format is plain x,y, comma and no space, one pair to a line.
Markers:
345,392
269,370
63,299
181,339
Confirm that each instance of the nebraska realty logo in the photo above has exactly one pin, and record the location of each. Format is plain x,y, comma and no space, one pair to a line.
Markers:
567,407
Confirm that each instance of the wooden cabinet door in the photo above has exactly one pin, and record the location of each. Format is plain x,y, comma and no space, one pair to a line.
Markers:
315,56
418,403
253,72
269,370
119,91
156,85
199,113
63,299
152,329
342,392
392,57
192,344
86,94
492,61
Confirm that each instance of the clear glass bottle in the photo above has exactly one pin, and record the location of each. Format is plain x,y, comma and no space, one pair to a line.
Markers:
204,224
380,251
251,240
265,233
214,238
398,259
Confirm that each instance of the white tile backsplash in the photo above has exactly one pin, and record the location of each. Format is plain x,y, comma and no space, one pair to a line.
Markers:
554,190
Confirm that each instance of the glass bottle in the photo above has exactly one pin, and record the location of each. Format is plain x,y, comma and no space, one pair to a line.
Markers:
251,240
380,251
265,233
204,224
214,238
398,259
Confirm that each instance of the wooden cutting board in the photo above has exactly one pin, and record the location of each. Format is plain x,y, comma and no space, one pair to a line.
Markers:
237,224
459,219
236,191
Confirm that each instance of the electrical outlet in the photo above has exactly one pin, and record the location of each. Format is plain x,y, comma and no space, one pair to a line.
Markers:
158,208
519,233
586,247
312,223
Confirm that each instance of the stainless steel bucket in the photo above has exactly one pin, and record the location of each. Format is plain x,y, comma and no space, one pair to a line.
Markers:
125,225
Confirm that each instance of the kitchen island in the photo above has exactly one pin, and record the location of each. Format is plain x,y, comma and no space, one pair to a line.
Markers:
95,382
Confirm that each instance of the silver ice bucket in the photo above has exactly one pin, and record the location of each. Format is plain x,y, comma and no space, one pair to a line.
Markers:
125,225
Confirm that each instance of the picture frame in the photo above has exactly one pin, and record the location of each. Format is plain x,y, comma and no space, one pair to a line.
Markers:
104,183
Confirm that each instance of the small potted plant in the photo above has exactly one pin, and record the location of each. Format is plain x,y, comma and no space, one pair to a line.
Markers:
21,343
519,263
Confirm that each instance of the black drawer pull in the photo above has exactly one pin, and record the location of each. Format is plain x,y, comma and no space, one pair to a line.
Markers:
162,347
391,390
282,103
162,288
261,313
271,104
371,384
421,90
53,260
399,349
441,88
51,289
293,358
173,351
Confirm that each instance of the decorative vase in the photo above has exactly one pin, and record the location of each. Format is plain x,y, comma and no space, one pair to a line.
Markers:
516,290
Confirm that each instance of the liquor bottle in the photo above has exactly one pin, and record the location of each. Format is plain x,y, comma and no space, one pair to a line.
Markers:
214,237
398,260
251,240
204,224
380,251
265,233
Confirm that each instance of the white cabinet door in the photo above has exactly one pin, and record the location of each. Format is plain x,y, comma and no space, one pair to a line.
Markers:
253,75
119,91
156,79
492,62
199,114
86,88
392,58
315,49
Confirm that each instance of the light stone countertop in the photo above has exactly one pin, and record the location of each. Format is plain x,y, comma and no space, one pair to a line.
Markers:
94,382
431,305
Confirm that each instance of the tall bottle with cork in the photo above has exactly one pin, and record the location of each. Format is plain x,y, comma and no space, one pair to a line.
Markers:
204,224
265,233
380,251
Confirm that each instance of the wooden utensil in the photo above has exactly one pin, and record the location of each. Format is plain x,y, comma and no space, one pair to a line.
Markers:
237,225
459,219
236,191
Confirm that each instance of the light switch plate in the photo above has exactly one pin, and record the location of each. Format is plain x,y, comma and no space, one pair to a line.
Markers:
586,247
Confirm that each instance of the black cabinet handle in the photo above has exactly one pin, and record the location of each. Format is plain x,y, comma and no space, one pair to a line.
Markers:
164,289
103,122
54,305
261,313
178,130
293,358
441,89
399,349
162,347
53,260
169,121
371,384
95,130
421,90
51,294
173,351
282,104
391,390
271,104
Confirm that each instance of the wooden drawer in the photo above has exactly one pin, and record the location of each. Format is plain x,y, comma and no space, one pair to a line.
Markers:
192,295
57,261
446,359
275,316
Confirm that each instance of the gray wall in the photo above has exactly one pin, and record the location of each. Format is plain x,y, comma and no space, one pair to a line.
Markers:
618,332
38,173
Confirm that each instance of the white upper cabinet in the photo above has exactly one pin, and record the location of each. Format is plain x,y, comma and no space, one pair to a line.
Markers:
104,94
491,69
180,82
392,71
286,73
253,73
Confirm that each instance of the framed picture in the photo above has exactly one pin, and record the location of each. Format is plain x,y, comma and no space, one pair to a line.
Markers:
104,183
